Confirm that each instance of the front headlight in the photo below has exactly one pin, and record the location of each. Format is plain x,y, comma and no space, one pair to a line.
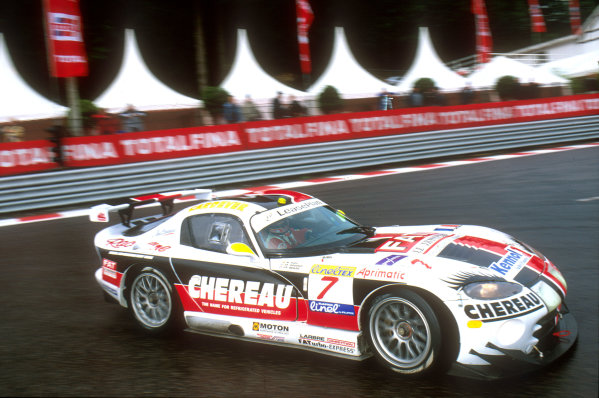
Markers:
492,290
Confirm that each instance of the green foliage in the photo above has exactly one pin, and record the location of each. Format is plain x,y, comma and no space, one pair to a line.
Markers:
87,109
329,100
581,85
508,87
424,84
214,99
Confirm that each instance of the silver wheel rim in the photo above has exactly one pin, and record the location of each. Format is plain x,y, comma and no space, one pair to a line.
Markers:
400,332
151,300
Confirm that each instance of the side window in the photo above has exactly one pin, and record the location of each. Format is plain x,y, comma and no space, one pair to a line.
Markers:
213,232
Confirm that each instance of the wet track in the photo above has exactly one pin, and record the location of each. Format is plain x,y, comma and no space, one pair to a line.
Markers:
59,338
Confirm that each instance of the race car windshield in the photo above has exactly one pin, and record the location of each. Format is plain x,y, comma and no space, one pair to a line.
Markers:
319,228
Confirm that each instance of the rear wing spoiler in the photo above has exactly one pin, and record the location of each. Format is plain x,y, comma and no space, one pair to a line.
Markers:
100,213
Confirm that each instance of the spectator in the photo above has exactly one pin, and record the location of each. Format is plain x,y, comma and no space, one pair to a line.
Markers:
278,111
132,119
385,100
249,110
12,132
231,111
295,108
467,94
415,98
105,123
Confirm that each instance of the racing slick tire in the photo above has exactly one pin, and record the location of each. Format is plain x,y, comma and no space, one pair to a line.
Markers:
152,303
405,333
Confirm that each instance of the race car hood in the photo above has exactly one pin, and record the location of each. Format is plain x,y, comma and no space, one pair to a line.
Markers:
466,246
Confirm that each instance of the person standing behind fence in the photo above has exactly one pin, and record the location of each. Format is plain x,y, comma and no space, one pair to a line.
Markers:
385,100
278,110
296,109
231,111
132,119
249,110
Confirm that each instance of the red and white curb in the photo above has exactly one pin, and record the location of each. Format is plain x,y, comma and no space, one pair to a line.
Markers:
317,181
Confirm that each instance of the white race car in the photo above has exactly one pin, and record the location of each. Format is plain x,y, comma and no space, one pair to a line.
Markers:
285,268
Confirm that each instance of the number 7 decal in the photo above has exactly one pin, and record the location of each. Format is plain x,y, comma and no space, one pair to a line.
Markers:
332,280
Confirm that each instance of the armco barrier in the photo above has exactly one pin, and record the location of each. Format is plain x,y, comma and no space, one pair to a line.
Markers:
94,184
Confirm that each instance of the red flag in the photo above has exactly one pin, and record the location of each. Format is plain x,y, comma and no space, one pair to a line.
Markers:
304,20
484,43
536,16
575,17
65,38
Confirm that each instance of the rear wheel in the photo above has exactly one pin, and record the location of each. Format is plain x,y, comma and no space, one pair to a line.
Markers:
405,333
151,301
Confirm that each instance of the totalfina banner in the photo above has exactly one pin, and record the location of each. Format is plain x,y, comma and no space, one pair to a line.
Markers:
64,33
145,146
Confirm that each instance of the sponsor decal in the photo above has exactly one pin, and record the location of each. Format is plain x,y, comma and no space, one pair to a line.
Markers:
270,327
269,337
119,243
332,308
447,228
235,291
512,260
290,265
426,244
416,261
109,273
378,273
504,309
390,260
222,204
401,243
106,263
336,270
298,208
346,347
158,247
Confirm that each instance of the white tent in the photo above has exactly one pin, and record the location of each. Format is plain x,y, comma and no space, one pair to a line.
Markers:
428,64
18,101
500,66
246,77
345,73
576,66
136,85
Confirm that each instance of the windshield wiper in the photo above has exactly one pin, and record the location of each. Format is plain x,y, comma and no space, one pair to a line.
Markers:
369,231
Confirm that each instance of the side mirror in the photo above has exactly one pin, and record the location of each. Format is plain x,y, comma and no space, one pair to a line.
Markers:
240,249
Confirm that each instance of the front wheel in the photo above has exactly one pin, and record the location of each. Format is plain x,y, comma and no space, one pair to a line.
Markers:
405,333
151,302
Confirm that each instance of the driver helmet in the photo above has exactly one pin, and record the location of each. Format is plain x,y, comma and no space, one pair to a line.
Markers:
280,227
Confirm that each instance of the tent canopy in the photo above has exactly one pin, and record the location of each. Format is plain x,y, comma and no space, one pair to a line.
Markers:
136,85
18,101
500,66
428,64
345,73
575,66
246,77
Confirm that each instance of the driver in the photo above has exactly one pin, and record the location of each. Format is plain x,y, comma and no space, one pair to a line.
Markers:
282,236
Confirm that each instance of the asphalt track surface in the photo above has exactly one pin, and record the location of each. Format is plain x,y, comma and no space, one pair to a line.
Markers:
59,338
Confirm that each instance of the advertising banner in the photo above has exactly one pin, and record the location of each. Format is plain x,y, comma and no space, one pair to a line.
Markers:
484,43
536,17
66,50
304,20
26,156
22,157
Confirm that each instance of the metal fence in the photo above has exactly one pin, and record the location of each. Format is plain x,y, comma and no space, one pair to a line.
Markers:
71,187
